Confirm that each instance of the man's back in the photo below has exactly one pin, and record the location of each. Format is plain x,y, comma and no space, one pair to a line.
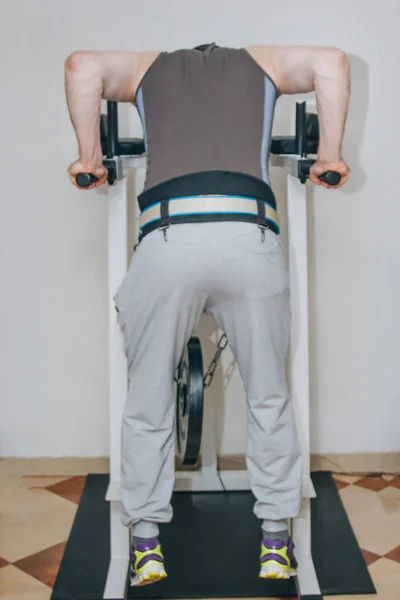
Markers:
203,111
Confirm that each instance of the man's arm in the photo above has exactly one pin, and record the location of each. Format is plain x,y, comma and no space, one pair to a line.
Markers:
301,69
89,78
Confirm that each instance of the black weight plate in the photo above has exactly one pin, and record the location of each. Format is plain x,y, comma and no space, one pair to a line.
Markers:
190,403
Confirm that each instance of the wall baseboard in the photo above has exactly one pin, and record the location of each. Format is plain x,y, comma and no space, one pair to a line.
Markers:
337,463
387,462
53,467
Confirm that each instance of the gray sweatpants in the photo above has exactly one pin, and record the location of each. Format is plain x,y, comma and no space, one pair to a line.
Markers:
226,270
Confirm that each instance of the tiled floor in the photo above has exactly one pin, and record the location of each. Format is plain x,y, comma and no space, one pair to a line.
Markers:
36,514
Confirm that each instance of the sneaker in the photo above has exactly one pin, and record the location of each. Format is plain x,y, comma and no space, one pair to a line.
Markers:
277,560
147,563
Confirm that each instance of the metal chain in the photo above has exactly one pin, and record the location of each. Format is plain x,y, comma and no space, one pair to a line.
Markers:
209,376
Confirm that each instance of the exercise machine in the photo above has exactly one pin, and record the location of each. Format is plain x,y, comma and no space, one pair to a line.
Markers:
196,418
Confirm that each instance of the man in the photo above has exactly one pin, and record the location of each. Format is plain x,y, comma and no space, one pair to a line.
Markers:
209,243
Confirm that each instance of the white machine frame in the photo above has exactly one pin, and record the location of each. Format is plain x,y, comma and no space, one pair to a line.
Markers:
208,478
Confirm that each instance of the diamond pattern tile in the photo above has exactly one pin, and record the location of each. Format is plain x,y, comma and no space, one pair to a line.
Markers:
35,481
70,489
43,565
347,478
375,484
390,499
341,484
386,576
32,520
374,517
17,585
394,555
396,483
370,557
3,563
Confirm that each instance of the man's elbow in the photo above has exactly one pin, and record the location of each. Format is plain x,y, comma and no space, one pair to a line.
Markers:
338,58
331,62
81,60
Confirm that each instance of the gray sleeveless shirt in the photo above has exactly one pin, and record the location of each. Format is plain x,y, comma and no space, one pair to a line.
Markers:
206,111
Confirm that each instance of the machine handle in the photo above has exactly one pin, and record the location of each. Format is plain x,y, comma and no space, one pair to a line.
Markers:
85,180
331,177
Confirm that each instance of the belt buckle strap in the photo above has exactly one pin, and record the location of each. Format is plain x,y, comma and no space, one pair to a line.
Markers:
261,218
165,221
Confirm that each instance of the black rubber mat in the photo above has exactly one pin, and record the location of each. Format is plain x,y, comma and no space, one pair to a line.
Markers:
212,547
83,569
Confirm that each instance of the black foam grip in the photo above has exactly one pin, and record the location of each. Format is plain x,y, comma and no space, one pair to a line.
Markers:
331,177
85,179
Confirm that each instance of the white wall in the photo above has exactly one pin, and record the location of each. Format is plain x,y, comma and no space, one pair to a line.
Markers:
53,330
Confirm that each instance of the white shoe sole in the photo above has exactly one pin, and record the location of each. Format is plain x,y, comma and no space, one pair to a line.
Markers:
151,573
273,570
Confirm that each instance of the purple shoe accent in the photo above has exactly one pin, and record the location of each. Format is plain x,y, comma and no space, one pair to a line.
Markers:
274,544
290,546
148,558
146,545
293,561
274,557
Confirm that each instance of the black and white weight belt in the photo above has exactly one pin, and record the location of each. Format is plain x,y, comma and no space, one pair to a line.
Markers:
200,209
